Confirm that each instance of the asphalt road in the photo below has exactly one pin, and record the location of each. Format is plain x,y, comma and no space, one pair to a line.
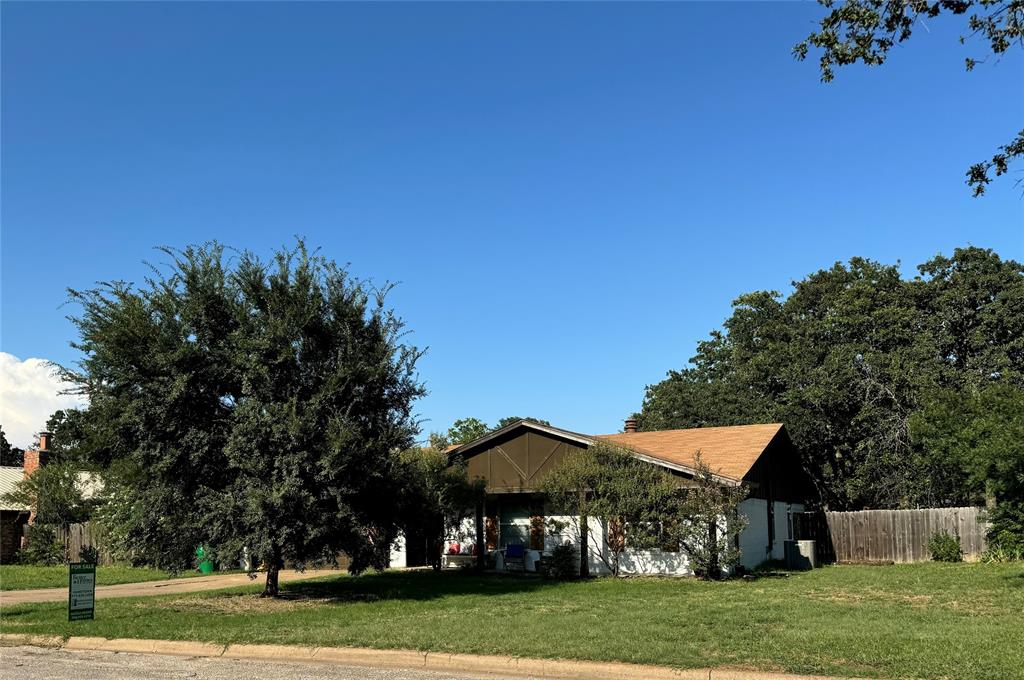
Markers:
35,663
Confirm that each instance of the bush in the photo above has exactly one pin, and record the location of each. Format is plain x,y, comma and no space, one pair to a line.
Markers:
89,554
44,547
945,547
563,564
1006,528
998,553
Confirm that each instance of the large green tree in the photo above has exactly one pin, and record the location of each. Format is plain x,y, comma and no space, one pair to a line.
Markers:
865,31
978,435
249,405
9,455
847,359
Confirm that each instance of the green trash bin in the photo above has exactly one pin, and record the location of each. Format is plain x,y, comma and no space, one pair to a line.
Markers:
205,563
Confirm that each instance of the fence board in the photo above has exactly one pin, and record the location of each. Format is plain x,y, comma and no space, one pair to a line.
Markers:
890,535
78,536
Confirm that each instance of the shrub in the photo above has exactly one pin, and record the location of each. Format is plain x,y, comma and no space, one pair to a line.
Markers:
43,547
998,553
90,554
1006,527
563,564
945,547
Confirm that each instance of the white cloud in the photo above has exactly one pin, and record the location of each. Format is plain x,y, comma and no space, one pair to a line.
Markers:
30,391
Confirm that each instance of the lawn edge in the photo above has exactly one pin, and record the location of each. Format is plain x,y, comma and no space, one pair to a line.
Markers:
397,659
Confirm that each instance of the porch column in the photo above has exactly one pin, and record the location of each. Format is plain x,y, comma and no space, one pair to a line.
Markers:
481,541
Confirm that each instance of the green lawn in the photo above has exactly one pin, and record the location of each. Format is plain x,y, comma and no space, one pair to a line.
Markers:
21,577
927,621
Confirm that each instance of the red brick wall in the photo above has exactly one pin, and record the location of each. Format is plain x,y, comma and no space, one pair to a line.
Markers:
11,522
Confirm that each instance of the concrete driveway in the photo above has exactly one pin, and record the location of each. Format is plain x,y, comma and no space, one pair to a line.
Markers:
169,587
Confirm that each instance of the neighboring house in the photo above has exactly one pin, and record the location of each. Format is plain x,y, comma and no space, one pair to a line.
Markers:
13,520
514,459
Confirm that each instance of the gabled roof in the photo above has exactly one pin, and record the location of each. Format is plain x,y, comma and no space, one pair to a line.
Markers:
728,451
89,483
528,424
9,477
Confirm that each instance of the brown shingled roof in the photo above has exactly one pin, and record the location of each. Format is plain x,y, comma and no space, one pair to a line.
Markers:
729,451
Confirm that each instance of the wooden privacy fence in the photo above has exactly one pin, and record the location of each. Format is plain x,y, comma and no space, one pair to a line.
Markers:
79,536
889,535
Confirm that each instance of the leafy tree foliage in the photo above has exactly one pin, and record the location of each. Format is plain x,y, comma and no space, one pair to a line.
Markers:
708,522
57,498
437,496
866,30
630,497
77,437
249,404
466,430
847,360
505,422
979,436
9,455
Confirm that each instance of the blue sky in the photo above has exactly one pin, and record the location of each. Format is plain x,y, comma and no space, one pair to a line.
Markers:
570,195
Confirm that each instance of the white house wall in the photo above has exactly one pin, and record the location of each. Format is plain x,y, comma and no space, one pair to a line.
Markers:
754,537
753,542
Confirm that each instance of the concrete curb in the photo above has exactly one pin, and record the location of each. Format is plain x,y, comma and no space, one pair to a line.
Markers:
398,659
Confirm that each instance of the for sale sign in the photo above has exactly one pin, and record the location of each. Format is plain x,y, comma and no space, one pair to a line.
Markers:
81,591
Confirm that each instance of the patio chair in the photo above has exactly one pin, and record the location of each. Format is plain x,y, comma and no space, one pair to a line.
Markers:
515,557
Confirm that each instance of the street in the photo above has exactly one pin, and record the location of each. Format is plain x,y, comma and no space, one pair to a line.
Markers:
35,663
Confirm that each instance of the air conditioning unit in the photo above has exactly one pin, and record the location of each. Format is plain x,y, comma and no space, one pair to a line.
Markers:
801,554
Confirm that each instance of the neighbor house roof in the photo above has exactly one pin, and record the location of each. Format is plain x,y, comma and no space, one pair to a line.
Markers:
89,483
729,452
9,477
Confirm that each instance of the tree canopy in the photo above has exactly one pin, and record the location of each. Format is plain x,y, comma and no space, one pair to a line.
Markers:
9,455
248,405
866,30
465,430
847,361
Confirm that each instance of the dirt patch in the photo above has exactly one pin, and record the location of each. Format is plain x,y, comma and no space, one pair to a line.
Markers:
241,604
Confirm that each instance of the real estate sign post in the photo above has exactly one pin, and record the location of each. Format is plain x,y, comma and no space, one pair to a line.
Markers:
81,591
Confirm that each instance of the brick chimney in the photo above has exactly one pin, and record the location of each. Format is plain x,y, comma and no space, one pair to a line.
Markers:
630,425
37,457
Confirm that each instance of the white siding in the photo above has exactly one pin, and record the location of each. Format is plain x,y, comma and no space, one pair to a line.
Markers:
754,537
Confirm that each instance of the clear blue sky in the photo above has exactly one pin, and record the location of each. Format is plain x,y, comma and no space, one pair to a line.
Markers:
570,195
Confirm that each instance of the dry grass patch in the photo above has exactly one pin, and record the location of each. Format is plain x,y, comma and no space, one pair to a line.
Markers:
242,603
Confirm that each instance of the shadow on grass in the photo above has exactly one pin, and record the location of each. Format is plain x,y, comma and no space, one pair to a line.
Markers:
412,585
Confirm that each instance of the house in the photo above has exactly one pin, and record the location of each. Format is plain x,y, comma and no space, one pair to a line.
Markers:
514,459
15,518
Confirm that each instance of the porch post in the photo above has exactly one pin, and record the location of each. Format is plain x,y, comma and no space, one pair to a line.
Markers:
481,541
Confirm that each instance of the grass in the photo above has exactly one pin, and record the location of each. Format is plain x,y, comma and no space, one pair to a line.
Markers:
925,621
22,577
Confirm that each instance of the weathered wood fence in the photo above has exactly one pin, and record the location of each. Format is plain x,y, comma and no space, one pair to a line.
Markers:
79,536
889,535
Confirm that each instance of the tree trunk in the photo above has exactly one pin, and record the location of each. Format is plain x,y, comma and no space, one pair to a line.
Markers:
273,571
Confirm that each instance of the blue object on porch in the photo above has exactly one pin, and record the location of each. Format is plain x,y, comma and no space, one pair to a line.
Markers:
515,557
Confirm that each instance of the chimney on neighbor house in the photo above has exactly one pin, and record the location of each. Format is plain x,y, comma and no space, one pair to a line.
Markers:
630,425
37,457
